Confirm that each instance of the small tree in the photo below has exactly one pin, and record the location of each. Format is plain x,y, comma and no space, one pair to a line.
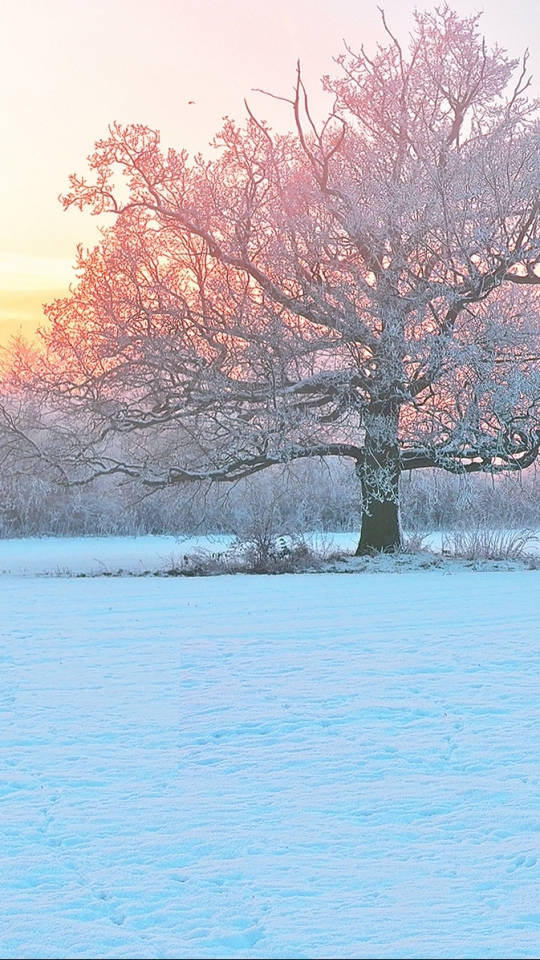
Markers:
353,290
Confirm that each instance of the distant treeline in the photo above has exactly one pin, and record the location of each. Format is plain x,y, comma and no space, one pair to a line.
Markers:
314,495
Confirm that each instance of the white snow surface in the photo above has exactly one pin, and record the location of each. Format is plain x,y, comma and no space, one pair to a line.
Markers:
99,555
92,556
296,766
134,556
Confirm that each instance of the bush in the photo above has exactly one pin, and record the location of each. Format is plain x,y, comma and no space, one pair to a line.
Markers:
435,500
279,502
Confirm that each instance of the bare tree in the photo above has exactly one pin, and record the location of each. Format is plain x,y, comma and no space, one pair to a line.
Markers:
359,289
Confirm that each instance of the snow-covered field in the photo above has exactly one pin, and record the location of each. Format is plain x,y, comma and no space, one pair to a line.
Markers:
294,766
135,556
98,555
94,556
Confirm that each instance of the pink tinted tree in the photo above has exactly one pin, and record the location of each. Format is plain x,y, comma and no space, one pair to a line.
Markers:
363,289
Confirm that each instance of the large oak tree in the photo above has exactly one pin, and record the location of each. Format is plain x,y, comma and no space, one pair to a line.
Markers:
358,289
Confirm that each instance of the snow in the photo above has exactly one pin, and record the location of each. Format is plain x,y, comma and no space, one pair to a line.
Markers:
130,555
98,555
312,765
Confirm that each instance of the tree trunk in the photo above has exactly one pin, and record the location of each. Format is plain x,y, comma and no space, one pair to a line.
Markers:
380,528
379,478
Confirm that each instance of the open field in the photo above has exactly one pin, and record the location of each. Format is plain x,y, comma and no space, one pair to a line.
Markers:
136,556
307,765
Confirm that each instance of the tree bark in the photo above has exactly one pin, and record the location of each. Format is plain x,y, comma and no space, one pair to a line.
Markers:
380,528
379,478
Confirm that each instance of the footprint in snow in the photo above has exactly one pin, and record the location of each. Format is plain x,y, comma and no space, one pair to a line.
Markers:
521,861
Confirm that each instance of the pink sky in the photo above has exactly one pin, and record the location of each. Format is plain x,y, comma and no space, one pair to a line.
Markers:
69,68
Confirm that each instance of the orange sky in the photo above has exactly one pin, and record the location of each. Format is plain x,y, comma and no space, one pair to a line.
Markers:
70,67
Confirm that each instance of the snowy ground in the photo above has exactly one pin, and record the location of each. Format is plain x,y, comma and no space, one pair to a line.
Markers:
99,555
95,556
294,766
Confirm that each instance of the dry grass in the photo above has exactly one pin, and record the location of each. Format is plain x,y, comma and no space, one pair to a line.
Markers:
482,543
287,555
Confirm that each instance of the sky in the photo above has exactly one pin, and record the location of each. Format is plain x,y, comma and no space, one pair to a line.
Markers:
71,67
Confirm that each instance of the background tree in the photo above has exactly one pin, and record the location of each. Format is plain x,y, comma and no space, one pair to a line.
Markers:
358,289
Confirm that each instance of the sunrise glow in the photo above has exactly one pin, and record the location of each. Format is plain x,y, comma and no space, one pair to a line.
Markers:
178,65
26,283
